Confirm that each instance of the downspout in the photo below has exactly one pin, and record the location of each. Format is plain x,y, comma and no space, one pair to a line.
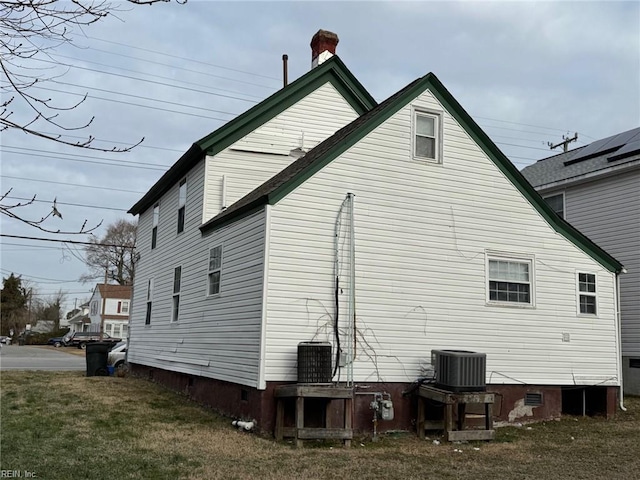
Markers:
619,337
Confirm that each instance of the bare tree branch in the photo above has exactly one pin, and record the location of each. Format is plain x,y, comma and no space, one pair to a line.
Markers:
29,29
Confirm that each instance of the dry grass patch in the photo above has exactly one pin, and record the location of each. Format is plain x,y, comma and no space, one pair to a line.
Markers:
105,427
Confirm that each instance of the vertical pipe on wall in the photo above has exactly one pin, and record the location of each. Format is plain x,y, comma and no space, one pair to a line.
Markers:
618,322
223,200
351,336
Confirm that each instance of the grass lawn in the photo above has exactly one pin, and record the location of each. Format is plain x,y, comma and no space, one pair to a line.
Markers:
68,426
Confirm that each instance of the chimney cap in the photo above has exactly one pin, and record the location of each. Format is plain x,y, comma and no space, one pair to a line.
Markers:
323,46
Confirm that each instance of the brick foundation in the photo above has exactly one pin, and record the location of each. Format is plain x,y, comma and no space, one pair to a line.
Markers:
239,401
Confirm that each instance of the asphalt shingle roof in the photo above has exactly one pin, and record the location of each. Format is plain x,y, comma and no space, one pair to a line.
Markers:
553,169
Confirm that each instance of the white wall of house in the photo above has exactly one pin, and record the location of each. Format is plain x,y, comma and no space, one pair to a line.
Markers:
606,209
260,155
118,307
423,232
219,336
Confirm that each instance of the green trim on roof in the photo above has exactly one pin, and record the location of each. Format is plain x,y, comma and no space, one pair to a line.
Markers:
333,71
430,82
513,174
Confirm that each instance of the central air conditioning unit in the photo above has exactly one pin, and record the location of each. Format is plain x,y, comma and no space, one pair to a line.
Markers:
460,370
314,362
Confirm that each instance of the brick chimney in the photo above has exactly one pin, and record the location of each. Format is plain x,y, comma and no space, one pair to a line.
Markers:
323,47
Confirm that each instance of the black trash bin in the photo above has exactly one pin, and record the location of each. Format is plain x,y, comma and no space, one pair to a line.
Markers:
97,354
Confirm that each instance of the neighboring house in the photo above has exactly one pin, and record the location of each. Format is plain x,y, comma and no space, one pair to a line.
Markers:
109,307
80,321
403,232
596,188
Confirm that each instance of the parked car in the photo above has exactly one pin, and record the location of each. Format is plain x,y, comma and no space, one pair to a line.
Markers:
116,357
6,340
55,341
80,339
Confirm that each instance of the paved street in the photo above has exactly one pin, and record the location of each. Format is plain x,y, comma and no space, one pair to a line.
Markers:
14,357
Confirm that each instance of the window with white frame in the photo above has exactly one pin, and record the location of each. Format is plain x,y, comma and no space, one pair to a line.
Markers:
177,278
587,297
556,202
154,231
182,202
215,269
510,281
427,136
147,320
123,306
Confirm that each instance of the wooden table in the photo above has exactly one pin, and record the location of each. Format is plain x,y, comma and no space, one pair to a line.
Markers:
300,432
459,399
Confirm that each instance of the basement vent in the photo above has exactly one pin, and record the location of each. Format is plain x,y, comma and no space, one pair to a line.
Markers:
533,399
634,363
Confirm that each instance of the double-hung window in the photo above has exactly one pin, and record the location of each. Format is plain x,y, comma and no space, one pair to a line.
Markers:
147,319
427,136
215,270
182,202
154,231
177,279
587,297
510,281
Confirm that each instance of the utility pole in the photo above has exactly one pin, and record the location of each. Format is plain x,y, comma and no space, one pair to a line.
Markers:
565,142
104,301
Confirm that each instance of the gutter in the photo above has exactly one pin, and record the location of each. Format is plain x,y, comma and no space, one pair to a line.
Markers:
618,320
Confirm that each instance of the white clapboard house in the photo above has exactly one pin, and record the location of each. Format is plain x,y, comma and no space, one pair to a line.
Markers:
596,188
386,230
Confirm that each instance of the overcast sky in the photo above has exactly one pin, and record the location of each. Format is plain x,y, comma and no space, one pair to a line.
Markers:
527,72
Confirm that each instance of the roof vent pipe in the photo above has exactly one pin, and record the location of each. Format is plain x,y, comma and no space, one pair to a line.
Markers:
323,47
285,72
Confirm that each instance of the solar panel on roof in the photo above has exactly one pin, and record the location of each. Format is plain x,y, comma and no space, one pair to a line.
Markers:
605,145
628,150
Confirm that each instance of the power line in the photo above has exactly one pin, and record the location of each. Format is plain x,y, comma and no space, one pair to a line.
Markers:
167,102
74,242
138,59
71,184
40,279
183,58
113,100
146,80
97,207
115,163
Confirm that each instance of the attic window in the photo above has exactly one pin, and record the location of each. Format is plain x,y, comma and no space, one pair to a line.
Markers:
427,136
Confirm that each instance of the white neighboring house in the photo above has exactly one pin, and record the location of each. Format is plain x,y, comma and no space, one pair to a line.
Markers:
109,306
403,232
80,321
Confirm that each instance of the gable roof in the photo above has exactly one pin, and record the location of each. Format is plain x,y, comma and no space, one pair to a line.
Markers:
114,291
594,158
332,70
279,186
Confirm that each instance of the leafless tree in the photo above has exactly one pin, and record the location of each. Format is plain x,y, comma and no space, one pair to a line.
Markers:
115,253
9,209
30,30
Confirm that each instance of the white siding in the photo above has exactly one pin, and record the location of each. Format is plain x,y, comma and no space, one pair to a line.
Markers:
421,235
264,152
607,210
215,337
